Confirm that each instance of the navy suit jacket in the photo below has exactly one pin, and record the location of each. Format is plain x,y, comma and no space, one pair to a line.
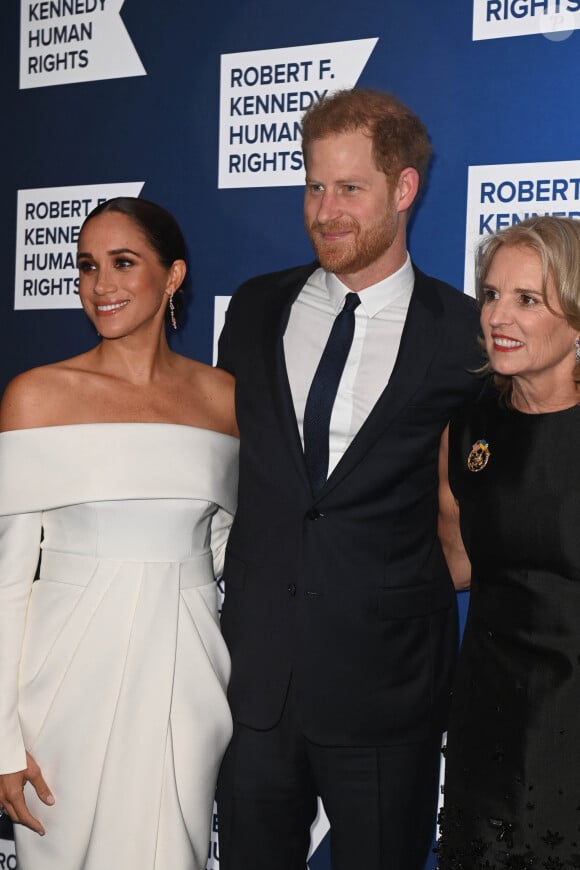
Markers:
346,593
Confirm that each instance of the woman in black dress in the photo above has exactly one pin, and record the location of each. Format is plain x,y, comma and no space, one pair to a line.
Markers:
512,783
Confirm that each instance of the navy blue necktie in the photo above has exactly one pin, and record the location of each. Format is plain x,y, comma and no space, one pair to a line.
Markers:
323,391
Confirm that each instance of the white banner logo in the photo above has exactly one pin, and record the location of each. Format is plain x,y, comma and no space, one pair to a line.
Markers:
263,97
493,19
504,194
7,855
65,41
48,225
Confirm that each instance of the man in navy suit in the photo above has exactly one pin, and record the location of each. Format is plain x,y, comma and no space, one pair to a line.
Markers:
340,613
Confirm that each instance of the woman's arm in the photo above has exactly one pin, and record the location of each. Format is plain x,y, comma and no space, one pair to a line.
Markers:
220,530
19,552
20,536
448,523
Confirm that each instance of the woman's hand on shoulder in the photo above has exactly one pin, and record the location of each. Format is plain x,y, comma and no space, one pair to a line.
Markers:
12,794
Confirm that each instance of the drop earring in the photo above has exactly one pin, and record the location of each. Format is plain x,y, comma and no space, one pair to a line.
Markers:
578,350
172,312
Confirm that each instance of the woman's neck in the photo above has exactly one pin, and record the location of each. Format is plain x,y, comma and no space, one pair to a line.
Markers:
133,359
532,400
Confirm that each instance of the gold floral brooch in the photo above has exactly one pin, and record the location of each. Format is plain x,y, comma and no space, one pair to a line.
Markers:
478,456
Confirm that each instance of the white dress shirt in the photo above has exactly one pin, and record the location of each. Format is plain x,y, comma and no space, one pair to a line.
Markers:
379,321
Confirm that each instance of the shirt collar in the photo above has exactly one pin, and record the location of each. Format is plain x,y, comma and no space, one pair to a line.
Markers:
397,286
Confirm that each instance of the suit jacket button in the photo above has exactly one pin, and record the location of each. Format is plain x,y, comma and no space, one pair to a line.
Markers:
291,589
313,514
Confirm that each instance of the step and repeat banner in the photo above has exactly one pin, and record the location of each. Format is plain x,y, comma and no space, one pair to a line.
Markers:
197,106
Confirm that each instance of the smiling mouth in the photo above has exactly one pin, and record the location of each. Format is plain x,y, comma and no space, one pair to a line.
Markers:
506,343
332,237
333,228
105,309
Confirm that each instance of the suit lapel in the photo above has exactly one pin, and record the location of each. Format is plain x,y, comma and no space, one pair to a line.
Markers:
275,361
419,342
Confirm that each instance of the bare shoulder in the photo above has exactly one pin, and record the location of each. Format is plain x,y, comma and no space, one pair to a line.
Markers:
38,397
204,375
212,394
25,399
218,379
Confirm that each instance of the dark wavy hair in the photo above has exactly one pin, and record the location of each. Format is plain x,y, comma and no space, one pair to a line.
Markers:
160,229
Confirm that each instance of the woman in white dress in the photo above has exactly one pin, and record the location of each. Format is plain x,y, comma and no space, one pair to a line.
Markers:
118,468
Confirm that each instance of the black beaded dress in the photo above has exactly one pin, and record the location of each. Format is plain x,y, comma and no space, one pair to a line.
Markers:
512,784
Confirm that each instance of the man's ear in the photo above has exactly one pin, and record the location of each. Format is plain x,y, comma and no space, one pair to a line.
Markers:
407,187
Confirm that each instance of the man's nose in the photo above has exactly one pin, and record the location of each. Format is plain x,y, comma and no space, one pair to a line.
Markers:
329,208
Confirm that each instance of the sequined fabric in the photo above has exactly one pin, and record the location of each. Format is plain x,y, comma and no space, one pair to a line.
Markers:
512,785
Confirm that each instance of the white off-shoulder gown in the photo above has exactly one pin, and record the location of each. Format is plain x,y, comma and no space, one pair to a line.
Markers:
113,670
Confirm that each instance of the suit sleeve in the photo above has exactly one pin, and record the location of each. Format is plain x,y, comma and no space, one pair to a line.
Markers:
19,552
225,351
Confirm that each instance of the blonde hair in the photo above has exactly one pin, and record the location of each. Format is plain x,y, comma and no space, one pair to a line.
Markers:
556,240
